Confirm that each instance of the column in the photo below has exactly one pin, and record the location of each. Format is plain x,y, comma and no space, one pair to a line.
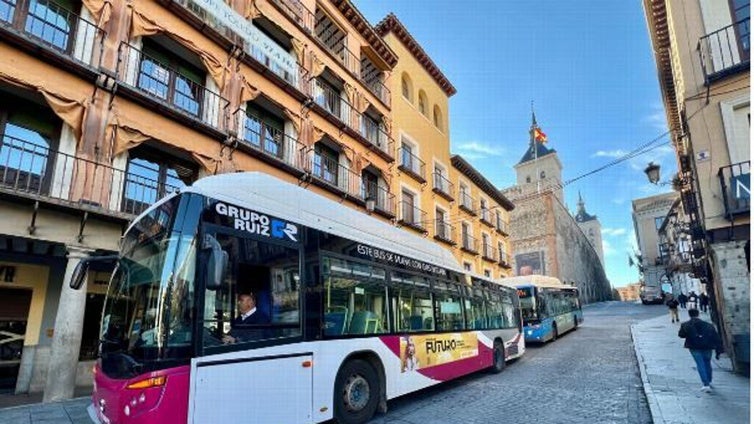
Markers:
66,339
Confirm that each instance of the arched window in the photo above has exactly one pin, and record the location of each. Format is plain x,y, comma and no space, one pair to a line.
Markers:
528,179
423,103
437,117
406,87
542,175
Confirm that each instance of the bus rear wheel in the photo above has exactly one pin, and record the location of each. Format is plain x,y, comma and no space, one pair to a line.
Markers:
356,392
498,357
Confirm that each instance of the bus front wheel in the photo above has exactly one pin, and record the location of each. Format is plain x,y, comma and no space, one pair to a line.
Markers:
498,357
356,392
554,332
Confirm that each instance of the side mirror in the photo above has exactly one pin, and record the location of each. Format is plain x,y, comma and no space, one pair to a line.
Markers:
79,274
217,263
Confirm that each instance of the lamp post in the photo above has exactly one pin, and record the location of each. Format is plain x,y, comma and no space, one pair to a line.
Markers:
653,172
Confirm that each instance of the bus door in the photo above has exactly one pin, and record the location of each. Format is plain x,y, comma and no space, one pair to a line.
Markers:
250,367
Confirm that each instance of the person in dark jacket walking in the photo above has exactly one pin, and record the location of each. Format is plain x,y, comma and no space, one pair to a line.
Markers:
703,302
701,339
673,308
682,300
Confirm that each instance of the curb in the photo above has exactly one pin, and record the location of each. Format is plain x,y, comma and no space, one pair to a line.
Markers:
654,407
57,402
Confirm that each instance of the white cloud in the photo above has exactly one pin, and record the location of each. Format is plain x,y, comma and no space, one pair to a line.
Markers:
610,153
607,248
476,150
656,117
613,232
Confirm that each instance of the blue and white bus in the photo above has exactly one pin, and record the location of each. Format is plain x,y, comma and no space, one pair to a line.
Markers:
548,307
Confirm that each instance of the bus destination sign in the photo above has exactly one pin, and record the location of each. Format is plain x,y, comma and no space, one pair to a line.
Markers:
399,260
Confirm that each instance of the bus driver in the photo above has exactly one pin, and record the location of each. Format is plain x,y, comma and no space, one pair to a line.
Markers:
248,315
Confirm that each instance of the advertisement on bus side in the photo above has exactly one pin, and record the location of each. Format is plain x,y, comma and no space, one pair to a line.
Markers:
428,350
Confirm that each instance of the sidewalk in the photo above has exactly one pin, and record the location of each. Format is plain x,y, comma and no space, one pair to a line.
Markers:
672,384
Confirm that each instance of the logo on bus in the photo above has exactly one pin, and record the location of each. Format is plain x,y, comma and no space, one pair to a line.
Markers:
258,223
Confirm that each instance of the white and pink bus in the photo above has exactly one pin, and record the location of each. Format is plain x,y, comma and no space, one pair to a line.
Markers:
349,311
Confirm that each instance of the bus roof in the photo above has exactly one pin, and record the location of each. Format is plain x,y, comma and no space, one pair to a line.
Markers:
271,195
532,280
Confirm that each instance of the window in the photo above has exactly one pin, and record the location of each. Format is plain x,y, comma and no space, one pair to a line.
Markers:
406,87
49,21
407,156
447,306
467,266
528,179
437,118
474,309
355,294
443,228
487,273
325,163
264,131
28,135
167,76
149,177
408,210
330,34
423,102
327,95
658,222
273,290
542,175
411,303
485,210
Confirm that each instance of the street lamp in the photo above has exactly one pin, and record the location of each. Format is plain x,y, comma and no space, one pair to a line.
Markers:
653,172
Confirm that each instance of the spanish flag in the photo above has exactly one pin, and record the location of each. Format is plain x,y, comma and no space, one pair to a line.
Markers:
539,135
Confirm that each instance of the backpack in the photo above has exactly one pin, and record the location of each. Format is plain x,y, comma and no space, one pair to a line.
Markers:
702,336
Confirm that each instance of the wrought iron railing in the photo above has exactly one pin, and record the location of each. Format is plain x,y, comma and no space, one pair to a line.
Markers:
384,201
485,215
376,135
334,41
501,226
334,174
298,12
54,27
412,216
273,143
410,163
331,101
725,51
31,169
163,83
504,258
466,202
735,184
470,243
489,252
445,231
379,89
442,185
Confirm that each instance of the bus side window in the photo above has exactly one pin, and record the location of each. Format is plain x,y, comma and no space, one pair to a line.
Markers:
355,298
412,303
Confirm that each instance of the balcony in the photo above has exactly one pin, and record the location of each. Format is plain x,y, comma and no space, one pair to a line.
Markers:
334,41
384,201
470,244
412,217
486,217
54,28
375,134
32,171
270,143
725,51
504,260
442,185
445,232
735,184
489,253
299,13
379,89
467,203
501,227
332,174
166,87
411,164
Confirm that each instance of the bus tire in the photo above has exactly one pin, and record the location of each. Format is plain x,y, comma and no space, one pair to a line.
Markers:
357,392
554,332
575,322
498,357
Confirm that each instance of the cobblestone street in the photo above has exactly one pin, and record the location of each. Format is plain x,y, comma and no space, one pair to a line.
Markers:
587,376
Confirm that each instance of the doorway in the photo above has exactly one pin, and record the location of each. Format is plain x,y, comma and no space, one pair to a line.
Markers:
14,313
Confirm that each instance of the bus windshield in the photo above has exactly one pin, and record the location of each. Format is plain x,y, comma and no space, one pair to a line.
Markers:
147,322
528,303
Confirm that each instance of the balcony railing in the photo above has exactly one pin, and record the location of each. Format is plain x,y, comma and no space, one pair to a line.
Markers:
378,89
489,253
501,226
298,12
334,41
338,176
444,231
504,259
412,216
470,244
411,164
376,135
735,183
54,27
384,201
442,185
271,142
467,203
725,51
162,83
32,170
486,216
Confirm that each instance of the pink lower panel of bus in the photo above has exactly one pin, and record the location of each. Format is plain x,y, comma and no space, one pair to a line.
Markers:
155,397
440,357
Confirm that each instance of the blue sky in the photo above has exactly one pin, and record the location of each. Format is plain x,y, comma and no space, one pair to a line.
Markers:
588,67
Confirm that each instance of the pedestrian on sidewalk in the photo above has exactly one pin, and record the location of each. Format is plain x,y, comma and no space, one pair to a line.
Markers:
673,308
682,300
692,300
703,302
701,338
